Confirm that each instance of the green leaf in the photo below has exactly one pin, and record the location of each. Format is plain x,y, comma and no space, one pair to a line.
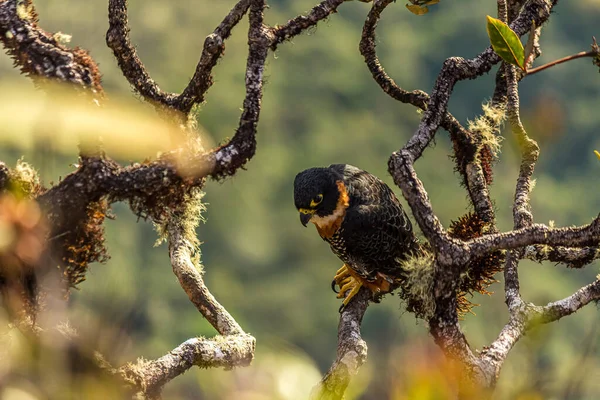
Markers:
417,10
505,42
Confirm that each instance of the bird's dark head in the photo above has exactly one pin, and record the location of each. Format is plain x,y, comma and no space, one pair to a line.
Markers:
316,192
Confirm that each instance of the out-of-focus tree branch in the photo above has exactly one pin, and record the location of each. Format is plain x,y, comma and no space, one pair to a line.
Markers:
351,351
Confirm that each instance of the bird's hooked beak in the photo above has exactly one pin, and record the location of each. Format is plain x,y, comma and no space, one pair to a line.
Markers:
306,215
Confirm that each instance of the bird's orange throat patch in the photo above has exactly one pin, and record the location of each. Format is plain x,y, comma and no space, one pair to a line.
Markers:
327,226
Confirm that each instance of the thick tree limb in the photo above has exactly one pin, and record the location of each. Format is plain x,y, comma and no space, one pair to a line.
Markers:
351,351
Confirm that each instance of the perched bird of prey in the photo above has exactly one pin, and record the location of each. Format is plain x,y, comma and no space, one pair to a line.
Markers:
363,222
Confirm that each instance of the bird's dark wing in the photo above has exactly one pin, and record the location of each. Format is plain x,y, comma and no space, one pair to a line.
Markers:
376,229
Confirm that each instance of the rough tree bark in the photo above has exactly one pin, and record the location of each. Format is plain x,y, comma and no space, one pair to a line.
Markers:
162,191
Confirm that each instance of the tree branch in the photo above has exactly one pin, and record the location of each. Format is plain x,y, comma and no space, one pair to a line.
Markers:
40,54
149,377
569,305
351,351
214,46
592,53
523,318
190,278
117,39
581,236
573,257
296,26
234,348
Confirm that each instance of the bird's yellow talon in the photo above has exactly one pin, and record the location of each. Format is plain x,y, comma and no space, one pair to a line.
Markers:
348,284
355,288
341,273
341,277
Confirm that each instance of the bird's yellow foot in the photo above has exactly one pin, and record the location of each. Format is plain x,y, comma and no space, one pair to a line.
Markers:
347,283
341,277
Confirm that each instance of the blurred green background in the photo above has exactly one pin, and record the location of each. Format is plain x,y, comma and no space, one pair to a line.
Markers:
321,106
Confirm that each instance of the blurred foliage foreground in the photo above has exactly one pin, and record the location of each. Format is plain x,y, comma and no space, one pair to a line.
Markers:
268,271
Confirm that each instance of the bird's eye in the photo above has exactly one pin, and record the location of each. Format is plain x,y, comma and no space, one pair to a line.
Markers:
316,201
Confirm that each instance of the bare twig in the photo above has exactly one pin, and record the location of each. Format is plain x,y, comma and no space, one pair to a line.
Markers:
567,306
582,54
525,316
299,24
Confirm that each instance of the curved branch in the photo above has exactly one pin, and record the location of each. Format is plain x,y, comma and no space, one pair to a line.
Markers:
235,348
181,251
149,377
214,46
455,69
524,317
417,98
351,351
296,26
226,160
117,38
40,54
569,305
